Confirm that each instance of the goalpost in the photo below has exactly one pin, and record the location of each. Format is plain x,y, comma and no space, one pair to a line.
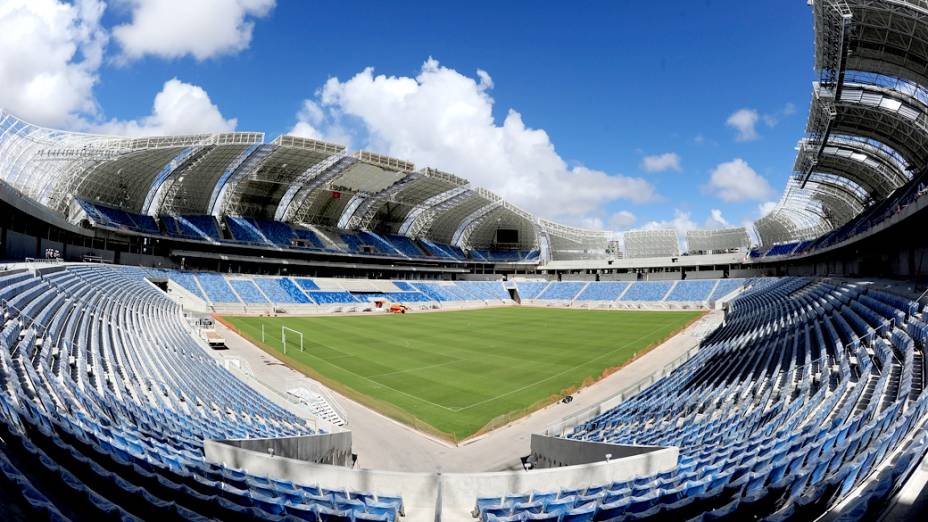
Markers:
283,336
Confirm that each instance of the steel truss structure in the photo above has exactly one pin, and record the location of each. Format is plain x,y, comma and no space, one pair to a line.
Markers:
868,121
717,241
291,179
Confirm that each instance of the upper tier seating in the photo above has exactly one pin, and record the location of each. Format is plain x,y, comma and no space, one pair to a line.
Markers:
105,402
191,227
436,250
245,230
785,409
313,239
271,233
278,233
782,249
117,218
647,291
405,245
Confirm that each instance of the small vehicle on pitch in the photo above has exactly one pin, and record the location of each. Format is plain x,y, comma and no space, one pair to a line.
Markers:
397,308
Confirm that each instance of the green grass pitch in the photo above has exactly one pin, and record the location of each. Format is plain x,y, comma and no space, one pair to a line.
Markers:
456,373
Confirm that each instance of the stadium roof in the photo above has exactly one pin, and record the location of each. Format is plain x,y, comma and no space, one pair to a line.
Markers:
868,120
289,179
867,133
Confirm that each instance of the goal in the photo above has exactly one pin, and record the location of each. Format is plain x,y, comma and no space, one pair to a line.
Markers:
283,336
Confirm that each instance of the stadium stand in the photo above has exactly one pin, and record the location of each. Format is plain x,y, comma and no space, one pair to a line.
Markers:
216,288
647,291
330,298
760,435
118,433
602,291
725,287
196,227
806,403
561,291
281,290
698,290
247,291
531,289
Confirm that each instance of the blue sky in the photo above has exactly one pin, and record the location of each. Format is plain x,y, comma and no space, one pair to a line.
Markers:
610,83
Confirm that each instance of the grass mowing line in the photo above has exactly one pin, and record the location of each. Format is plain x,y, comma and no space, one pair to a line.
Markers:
572,368
492,350
378,383
408,370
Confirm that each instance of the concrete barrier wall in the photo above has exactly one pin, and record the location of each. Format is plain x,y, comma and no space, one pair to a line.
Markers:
628,276
745,272
130,258
705,274
664,276
578,277
328,448
480,277
441,496
555,452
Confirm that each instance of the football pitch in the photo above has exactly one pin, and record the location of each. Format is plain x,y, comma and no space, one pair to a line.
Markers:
458,373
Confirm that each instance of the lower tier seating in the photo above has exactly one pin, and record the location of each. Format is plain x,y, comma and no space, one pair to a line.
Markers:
106,398
809,390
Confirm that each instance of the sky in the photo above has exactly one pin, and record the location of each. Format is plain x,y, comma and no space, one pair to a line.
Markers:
611,115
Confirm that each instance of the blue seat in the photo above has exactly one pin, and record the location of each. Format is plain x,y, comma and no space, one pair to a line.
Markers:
333,515
583,513
722,512
562,505
612,510
501,510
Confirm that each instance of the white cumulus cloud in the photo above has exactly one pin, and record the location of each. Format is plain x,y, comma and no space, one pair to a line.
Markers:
621,220
681,222
50,53
716,219
735,180
180,108
744,121
444,119
661,162
200,28
765,208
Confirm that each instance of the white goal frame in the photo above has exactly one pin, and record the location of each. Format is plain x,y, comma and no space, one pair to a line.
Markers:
283,337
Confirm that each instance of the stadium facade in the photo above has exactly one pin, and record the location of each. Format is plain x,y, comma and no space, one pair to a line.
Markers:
807,401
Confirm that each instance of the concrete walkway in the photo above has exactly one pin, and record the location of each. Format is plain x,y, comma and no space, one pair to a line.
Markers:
384,444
